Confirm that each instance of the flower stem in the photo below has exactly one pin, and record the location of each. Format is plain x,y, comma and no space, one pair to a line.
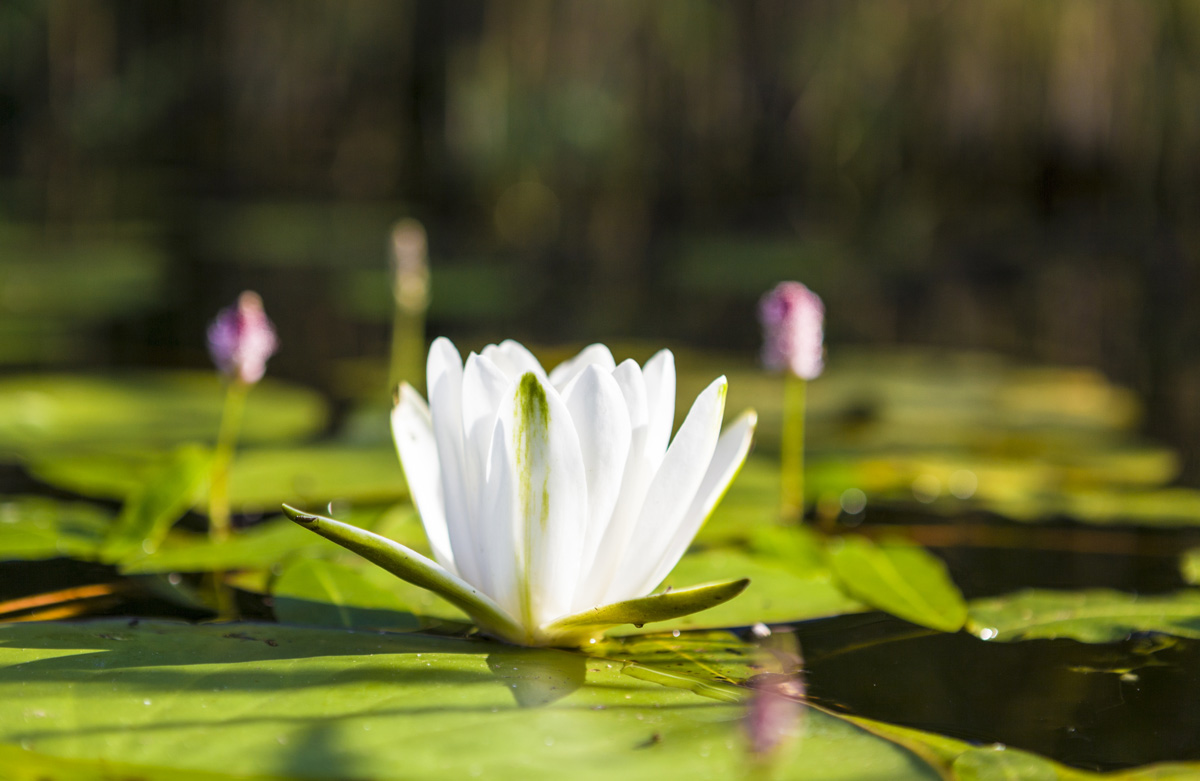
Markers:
408,348
218,493
219,524
791,456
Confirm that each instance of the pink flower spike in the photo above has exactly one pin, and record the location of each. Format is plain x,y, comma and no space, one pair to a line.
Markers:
793,321
241,339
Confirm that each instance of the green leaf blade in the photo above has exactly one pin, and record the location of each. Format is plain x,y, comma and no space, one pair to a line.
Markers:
902,579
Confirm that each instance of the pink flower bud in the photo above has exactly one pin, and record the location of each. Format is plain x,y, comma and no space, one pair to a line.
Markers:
241,339
793,321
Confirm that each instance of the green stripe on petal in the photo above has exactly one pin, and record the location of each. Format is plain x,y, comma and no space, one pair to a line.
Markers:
646,610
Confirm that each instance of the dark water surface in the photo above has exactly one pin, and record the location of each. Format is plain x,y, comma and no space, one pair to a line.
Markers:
1092,706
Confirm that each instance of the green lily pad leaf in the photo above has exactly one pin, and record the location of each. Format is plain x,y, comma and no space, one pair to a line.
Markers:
280,701
166,493
312,592
1189,565
260,479
18,764
258,547
47,412
778,593
998,763
1092,616
36,527
962,760
412,567
902,579
751,501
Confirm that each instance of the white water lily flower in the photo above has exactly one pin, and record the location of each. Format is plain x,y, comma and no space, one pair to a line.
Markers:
554,503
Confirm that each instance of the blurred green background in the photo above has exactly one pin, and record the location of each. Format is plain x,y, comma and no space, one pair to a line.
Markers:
1002,175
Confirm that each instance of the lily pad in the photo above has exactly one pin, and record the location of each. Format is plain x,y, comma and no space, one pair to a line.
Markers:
260,479
36,527
47,412
778,593
269,700
312,592
997,762
900,578
262,546
1092,616
167,490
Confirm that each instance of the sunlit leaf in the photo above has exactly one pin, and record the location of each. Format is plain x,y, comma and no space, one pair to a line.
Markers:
46,413
35,527
777,593
269,700
902,579
996,762
260,478
258,547
312,592
1000,764
167,491
1092,616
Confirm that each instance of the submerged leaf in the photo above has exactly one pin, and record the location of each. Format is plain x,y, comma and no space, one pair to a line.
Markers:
1092,616
1095,616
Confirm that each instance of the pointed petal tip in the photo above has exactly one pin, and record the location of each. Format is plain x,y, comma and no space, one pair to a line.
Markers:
302,518
401,390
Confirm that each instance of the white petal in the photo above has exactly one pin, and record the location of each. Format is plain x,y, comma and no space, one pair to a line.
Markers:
671,492
483,388
659,373
602,423
549,498
513,359
634,484
444,375
500,530
412,428
592,355
731,452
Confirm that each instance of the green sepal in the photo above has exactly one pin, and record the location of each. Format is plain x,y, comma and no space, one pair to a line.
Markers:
645,610
410,566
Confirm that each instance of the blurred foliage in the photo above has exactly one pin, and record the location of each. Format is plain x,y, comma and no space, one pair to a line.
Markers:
1010,176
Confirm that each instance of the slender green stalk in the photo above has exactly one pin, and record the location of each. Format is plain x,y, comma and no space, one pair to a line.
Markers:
410,290
408,348
218,493
219,524
791,449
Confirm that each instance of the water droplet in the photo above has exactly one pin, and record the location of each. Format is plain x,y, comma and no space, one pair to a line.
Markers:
145,702
963,484
674,633
987,633
853,501
549,741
